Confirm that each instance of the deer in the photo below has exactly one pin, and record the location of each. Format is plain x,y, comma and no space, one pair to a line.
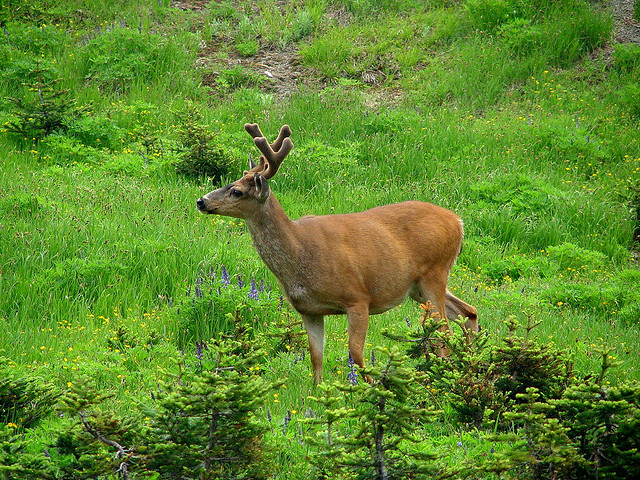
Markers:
358,264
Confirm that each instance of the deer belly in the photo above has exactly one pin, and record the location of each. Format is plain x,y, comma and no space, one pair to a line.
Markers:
307,303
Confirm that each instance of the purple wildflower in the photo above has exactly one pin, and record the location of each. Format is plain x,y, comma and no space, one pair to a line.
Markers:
198,290
373,358
253,292
406,319
225,280
240,282
199,350
353,374
287,419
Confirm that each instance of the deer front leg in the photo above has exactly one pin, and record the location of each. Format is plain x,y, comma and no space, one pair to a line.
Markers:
314,324
358,319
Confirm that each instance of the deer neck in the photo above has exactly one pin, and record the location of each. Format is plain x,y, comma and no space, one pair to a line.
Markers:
275,238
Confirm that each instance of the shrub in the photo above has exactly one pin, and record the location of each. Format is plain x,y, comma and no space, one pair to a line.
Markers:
488,14
43,111
24,400
199,156
205,424
575,259
371,434
214,306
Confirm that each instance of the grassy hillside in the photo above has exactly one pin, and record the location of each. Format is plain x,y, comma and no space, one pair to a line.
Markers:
520,116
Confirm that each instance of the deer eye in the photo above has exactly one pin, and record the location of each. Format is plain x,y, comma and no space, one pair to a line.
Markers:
236,193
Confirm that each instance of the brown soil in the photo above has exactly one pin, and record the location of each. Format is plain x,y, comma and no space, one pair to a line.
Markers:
626,27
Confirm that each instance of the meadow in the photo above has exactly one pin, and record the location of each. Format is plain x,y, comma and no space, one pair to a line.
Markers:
520,116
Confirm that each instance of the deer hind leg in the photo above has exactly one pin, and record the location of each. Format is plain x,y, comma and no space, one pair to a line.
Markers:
456,307
314,324
434,289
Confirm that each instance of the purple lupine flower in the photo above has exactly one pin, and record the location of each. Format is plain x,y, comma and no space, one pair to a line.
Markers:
373,358
225,280
240,282
199,350
269,415
253,292
198,290
287,419
406,319
262,286
353,374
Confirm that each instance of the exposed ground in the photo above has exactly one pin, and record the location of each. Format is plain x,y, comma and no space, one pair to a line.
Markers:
627,28
285,73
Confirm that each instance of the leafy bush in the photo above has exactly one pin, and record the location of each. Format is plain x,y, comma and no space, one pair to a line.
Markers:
214,305
618,299
205,424
370,435
590,431
82,276
68,150
570,257
199,156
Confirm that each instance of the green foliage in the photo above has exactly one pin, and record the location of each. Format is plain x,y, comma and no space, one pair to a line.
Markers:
618,299
21,205
120,57
590,431
82,277
372,435
521,363
205,423
234,78
24,399
488,14
568,256
216,305
480,381
43,111
199,154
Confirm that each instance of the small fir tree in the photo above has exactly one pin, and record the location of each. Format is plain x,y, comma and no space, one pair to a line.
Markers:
44,110
373,435
205,425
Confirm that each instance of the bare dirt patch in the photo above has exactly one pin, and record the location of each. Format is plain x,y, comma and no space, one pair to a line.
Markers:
626,27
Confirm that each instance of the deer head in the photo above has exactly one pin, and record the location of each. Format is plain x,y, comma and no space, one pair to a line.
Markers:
241,198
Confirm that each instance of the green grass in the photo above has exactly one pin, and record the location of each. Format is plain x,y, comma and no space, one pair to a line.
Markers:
531,138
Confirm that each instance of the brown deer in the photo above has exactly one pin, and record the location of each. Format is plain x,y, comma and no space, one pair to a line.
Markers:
356,264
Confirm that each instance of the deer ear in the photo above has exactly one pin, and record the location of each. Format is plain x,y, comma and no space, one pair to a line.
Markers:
262,187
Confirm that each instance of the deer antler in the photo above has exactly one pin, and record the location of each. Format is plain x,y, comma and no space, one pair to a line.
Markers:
272,155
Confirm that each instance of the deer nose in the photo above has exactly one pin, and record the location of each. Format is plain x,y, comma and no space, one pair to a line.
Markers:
200,203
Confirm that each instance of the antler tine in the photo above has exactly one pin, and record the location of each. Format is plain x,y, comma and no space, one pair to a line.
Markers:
272,155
